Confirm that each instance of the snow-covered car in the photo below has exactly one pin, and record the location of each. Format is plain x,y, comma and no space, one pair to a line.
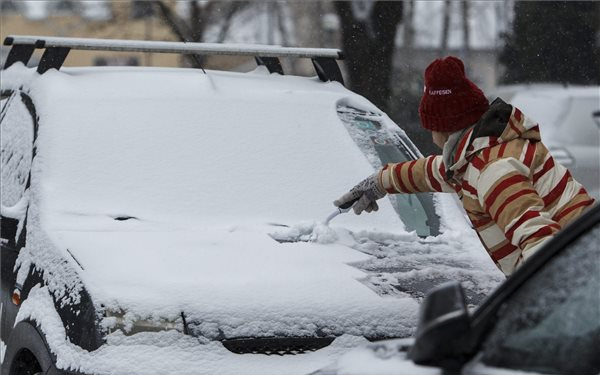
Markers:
544,320
567,123
168,220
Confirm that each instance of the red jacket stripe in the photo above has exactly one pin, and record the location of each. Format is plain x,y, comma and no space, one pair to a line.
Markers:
478,163
570,209
411,179
482,222
489,201
469,188
486,154
442,170
548,165
503,251
510,199
501,151
518,115
529,154
528,215
434,183
462,144
558,190
398,174
542,232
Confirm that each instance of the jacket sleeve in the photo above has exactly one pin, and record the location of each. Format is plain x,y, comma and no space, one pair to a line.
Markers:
506,193
416,176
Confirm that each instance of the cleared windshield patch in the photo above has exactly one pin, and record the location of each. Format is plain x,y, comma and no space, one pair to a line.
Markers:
381,146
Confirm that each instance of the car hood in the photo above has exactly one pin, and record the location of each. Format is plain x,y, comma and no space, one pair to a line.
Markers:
235,281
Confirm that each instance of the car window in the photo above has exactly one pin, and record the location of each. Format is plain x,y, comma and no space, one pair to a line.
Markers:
382,146
551,325
16,130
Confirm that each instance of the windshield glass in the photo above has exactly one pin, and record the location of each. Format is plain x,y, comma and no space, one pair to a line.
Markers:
383,145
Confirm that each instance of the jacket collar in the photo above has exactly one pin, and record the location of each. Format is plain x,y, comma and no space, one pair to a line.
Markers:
501,123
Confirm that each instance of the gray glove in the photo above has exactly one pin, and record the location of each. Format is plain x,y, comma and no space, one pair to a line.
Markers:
368,191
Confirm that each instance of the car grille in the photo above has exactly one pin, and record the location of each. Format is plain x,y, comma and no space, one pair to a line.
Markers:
276,345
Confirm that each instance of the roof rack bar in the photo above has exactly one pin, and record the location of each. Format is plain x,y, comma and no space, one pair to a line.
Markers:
57,49
20,53
171,47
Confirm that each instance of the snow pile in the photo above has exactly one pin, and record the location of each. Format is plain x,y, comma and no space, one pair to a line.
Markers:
306,232
16,76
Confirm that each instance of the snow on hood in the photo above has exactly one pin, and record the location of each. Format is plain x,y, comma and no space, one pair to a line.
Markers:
255,285
161,183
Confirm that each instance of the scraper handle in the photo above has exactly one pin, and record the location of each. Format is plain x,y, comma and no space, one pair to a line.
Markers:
348,204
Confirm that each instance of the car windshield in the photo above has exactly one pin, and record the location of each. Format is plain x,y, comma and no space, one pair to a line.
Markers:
224,148
383,145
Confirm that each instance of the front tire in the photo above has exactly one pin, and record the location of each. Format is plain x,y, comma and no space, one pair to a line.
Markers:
26,352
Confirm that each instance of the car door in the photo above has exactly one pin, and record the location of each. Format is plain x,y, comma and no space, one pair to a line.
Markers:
17,121
551,324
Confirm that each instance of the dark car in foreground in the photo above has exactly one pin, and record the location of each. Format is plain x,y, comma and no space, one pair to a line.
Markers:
545,319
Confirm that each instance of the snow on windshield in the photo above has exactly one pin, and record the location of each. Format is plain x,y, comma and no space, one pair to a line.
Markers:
187,146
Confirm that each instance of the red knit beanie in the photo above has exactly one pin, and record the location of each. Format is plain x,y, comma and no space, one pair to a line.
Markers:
450,101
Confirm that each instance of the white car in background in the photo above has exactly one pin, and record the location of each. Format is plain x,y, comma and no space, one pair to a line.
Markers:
567,124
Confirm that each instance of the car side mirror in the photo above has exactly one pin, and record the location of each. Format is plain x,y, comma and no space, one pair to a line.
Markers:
596,117
444,325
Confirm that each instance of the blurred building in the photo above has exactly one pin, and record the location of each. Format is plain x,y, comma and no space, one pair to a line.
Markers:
91,19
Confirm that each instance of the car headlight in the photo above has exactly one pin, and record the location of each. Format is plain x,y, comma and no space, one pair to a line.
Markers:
130,324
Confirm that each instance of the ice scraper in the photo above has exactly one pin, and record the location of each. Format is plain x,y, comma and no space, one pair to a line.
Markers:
340,210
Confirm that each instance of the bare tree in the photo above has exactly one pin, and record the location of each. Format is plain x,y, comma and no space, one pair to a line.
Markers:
465,24
201,15
409,27
368,36
445,27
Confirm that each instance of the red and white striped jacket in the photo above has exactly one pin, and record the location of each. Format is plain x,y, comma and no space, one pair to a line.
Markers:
515,194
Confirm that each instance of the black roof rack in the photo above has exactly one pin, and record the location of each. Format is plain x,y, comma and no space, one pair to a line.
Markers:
56,50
